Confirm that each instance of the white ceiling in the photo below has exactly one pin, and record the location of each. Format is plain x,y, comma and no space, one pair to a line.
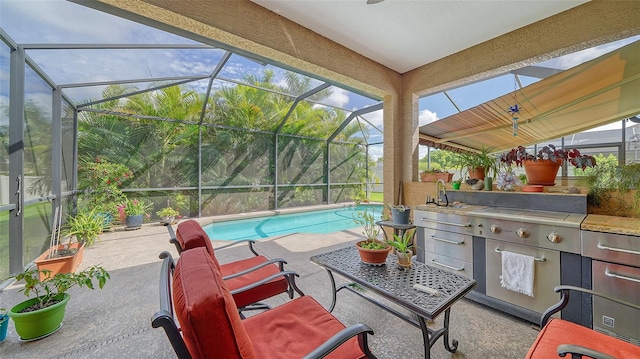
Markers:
405,34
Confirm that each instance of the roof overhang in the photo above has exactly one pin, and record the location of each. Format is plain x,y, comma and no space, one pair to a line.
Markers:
592,94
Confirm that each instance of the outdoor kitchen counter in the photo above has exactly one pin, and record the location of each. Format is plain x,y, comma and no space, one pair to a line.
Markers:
462,211
611,224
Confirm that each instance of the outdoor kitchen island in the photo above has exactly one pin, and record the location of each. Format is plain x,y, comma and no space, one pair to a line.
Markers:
470,239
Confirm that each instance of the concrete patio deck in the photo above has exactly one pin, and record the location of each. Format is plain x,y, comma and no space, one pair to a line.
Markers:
116,322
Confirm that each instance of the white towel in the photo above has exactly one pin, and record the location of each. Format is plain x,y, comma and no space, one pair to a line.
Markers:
517,272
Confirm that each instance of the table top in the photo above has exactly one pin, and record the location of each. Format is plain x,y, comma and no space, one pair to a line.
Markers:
396,226
396,283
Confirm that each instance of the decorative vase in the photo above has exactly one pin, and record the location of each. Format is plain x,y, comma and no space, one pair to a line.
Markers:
542,172
64,264
133,222
38,323
373,256
488,183
399,216
455,185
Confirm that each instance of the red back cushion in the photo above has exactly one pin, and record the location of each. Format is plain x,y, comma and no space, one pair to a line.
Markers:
206,311
190,234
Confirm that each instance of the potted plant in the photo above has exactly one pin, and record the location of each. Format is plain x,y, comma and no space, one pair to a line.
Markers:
42,315
101,182
542,168
403,245
132,212
456,184
477,165
167,215
4,323
62,257
86,226
613,189
434,175
399,213
371,250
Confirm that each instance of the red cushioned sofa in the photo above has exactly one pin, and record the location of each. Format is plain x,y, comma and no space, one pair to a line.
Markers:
559,337
242,273
211,327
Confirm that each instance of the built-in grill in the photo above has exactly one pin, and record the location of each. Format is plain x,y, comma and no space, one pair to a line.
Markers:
552,238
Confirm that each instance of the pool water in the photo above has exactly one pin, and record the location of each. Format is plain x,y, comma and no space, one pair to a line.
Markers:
322,221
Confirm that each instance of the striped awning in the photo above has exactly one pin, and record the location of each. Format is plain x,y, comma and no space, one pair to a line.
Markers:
589,95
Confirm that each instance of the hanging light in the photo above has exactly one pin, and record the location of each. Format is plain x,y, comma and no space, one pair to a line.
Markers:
515,109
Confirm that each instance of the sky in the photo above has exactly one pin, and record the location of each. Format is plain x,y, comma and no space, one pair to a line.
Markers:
59,21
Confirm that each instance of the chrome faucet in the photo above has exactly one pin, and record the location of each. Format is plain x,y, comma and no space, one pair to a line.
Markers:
440,185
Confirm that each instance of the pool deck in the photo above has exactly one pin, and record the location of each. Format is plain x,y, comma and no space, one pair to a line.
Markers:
116,322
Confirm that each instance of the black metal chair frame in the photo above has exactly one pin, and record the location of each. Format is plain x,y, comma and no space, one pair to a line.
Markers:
164,318
577,351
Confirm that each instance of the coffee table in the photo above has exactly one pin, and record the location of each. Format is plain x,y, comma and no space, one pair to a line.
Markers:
396,284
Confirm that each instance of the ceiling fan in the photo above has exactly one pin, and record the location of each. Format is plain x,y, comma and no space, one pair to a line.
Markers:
371,2
634,119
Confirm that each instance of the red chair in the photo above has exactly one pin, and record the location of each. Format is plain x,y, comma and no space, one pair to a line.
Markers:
559,337
242,273
211,327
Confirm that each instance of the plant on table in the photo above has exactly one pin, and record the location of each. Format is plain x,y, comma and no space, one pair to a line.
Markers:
371,250
403,245
367,220
42,314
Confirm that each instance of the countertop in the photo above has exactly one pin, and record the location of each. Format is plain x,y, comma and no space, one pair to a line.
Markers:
611,224
462,211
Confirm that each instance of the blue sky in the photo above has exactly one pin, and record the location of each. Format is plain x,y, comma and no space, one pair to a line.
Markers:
58,21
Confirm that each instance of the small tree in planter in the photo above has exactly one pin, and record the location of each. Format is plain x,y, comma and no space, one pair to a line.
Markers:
371,250
167,215
41,315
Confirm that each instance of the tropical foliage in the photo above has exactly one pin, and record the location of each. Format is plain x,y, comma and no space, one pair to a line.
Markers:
235,156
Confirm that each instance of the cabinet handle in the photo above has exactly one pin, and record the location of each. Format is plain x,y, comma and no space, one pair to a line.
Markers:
447,266
447,223
611,274
448,240
602,246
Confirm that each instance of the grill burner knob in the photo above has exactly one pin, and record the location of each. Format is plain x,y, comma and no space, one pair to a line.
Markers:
522,233
495,229
554,237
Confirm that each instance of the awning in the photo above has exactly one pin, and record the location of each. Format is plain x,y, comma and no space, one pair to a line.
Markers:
589,95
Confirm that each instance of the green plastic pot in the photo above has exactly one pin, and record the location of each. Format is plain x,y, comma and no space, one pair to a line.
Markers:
39,323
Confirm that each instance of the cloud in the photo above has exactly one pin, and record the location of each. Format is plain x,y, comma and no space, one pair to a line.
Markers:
426,117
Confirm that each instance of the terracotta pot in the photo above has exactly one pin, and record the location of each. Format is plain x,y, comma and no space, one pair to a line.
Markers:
67,264
434,176
373,256
542,172
476,172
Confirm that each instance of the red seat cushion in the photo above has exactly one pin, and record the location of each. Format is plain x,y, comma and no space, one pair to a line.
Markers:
294,329
559,331
208,316
262,292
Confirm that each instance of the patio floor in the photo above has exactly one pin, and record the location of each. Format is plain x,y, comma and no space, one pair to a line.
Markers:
116,322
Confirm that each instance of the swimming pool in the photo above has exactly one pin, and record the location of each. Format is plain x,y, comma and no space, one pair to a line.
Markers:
322,221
